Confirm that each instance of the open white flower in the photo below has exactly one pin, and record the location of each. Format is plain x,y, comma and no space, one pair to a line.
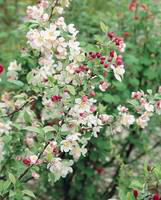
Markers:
118,72
60,167
142,121
127,119
33,159
13,66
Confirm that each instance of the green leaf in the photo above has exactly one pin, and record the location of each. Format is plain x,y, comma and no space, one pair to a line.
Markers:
29,193
111,98
49,129
136,184
134,81
49,157
12,178
130,196
12,193
27,117
89,171
29,77
71,89
122,195
80,58
133,102
33,129
104,28
149,91
6,185
17,83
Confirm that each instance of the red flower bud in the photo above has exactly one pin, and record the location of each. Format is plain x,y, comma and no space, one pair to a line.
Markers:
99,170
111,35
132,5
105,65
112,54
83,68
119,61
98,55
26,161
105,74
135,193
93,55
91,52
102,58
56,98
109,59
92,94
78,70
125,34
1,68
156,196
118,41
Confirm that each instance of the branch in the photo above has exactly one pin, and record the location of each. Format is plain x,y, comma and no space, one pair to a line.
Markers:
41,153
25,172
110,191
17,110
56,3
142,154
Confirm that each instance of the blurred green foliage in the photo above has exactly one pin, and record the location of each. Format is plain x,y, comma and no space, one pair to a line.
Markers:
12,14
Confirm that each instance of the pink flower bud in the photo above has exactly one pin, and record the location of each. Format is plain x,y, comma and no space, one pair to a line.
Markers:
109,59
104,118
83,114
93,108
119,61
35,175
159,90
84,99
33,159
103,86
92,94
44,4
136,95
18,158
93,55
105,74
56,98
29,141
132,5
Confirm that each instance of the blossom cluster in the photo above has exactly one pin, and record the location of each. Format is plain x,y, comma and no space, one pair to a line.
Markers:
56,111
142,107
58,100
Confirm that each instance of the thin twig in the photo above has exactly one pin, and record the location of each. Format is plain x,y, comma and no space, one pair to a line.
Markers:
25,172
110,191
16,110
142,154
41,153
51,14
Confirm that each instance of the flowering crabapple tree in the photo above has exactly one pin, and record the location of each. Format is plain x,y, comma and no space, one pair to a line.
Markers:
47,122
